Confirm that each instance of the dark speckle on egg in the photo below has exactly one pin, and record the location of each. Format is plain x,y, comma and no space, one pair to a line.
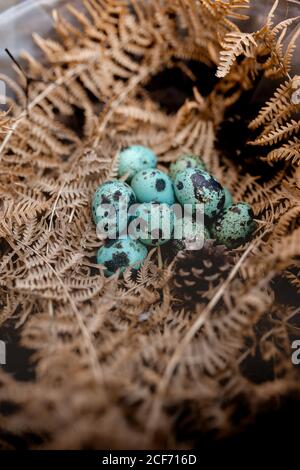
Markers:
180,185
199,182
118,245
131,199
117,195
105,199
221,203
160,184
108,243
235,209
119,260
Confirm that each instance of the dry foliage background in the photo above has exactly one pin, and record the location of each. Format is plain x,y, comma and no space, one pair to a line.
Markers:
155,360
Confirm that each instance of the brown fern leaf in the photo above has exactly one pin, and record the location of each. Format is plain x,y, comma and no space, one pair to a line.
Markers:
279,102
234,45
175,337
278,134
289,151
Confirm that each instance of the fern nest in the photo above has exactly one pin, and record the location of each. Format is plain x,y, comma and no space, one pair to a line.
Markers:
116,363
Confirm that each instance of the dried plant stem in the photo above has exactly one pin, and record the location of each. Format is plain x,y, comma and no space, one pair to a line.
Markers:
95,365
107,116
62,187
123,347
179,351
70,75
116,102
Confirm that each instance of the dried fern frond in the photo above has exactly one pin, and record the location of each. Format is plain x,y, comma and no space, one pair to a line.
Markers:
289,151
4,121
132,350
280,133
278,123
279,102
235,44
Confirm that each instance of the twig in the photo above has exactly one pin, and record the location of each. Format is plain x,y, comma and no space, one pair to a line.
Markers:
115,103
197,325
97,371
39,98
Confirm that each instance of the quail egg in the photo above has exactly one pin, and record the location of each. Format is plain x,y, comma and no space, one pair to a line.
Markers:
121,254
134,159
152,223
153,185
193,186
184,162
234,226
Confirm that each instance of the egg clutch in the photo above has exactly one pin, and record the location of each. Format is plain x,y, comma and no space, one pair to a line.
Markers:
139,211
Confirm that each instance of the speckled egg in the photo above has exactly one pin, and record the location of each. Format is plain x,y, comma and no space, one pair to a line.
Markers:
190,229
194,186
152,223
110,204
153,186
228,198
190,234
184,162
134,159
234,225
121,254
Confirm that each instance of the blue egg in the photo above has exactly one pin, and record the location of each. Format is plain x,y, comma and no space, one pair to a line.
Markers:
120,255
189,230
134,159
194,186
110,205
234,226
152,223
184,162
153,186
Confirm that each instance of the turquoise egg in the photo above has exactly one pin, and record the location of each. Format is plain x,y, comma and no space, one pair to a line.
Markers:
134,159
188,229
153,186
152,223
184,162
228,198
121,254
110,204
193,186
234,226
